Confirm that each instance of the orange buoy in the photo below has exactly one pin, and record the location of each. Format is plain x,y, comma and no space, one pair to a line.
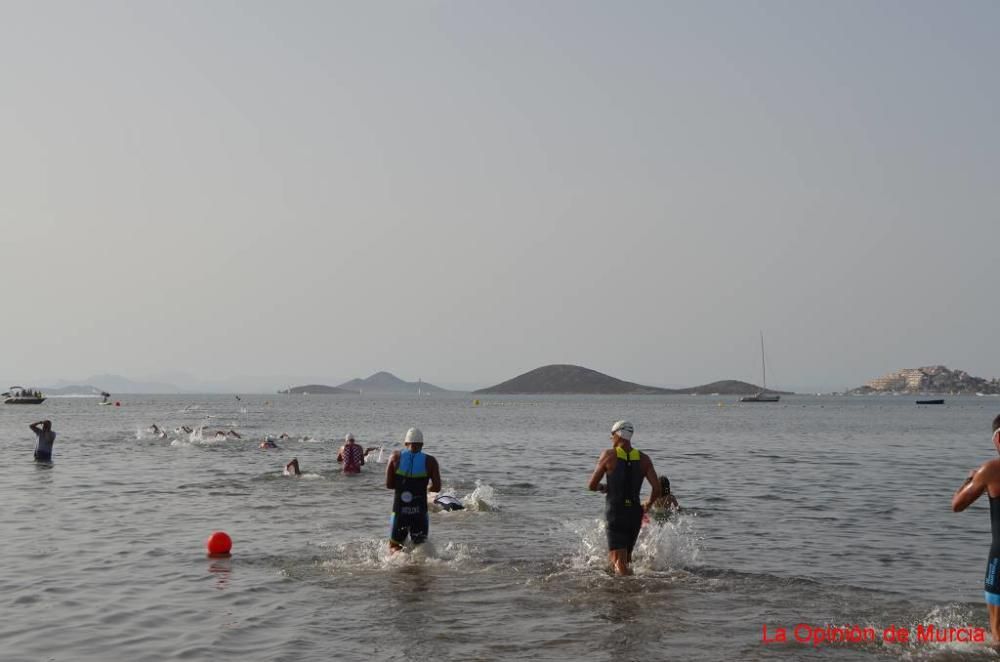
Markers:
219,544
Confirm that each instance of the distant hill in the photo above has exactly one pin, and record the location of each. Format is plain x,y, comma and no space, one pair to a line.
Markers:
727,387
114,384
386,382
72,389
570,379
317,389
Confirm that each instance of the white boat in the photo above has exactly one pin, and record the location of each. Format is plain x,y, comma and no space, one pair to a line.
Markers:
18,395
762,395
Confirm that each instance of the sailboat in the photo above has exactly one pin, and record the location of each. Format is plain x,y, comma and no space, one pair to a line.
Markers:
761,396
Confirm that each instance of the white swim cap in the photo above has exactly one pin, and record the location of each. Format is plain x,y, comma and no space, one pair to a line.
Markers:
623,429
414,436
349,437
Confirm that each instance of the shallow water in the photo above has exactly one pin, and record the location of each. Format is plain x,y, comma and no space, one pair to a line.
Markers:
815,510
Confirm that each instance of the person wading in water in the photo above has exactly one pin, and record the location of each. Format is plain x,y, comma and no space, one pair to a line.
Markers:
987,479
625,468
408,473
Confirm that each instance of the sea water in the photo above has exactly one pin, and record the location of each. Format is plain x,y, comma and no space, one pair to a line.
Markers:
821,511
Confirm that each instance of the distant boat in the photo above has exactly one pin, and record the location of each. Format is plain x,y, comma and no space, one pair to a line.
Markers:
762,395
18,395
930,402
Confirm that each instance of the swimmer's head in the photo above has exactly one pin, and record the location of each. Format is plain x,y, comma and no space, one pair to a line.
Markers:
414,438
46,425
349,439
623,430
664,485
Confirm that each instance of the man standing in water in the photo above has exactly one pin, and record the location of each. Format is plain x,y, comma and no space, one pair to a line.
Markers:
987,479
625,468
351,455
408,474
46,438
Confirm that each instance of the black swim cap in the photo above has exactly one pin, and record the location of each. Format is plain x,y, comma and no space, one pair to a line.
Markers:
664,484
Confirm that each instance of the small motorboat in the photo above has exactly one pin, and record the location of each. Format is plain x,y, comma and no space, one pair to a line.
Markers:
18,395
930,402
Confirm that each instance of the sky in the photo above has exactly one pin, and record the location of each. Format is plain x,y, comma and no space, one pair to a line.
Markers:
462,191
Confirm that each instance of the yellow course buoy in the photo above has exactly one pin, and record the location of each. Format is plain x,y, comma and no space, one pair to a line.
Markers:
475,402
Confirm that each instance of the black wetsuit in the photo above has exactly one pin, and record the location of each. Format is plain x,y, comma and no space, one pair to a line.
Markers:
992,583
409,506
623,508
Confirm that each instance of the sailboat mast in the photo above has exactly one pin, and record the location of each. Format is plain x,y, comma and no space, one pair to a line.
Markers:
763,366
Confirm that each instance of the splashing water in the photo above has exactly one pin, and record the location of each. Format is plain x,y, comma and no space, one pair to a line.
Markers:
374,554
482,499
661,546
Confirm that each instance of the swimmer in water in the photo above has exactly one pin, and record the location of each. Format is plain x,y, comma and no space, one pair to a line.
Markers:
268,443
987,479
351,455
661,509
407,474
625,468
46,439
292,468
234,434
284,435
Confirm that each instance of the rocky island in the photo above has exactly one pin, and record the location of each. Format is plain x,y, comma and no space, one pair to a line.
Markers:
935,379
386,382
562,379
317,389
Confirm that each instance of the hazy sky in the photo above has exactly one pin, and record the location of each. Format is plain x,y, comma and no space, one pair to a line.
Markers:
462,191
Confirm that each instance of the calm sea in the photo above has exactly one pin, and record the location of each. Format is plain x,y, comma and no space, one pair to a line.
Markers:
817,510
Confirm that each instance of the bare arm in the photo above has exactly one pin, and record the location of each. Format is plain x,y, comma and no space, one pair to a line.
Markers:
435,471
36,427
595,479
390,472
654,483
340,454
974,486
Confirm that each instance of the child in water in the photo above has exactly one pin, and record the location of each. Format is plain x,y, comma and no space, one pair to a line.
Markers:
661,509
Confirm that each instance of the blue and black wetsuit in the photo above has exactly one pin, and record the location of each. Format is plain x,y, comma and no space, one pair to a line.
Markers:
992,584
409,506
622,507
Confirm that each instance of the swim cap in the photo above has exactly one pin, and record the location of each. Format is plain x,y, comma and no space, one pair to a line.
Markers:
349,437
414,436
665,484
623,429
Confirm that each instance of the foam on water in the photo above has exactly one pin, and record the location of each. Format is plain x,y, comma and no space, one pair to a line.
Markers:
374,554
482,499
661,546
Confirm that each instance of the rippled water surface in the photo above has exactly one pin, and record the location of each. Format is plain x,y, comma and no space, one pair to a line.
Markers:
816,510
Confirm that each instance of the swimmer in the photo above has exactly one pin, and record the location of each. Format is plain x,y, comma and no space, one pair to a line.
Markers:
46,439
268,443
407,474
661,509
233,433
625,468
987,479
448,502
351,455
284,435
292,468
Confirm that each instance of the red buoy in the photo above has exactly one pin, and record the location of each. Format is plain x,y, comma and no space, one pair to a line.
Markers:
219,544
118,403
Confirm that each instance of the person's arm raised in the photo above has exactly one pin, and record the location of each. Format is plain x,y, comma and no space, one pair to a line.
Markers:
974,486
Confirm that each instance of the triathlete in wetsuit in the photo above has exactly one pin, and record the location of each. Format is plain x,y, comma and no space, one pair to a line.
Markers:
407,475
46,438
625,468
987,479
